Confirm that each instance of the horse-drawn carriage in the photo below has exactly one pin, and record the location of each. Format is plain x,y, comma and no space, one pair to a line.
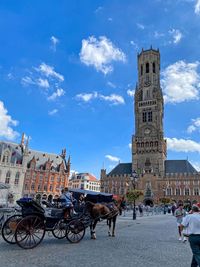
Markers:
27,229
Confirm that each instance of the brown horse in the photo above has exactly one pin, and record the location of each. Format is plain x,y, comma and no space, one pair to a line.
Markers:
102,211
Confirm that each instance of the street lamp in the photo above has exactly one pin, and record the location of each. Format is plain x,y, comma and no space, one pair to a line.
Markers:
164,194
134,178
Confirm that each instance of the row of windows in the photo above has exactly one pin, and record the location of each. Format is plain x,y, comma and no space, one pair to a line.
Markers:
178,192
147,144
8,175
147,65
147,103
39,187
147,116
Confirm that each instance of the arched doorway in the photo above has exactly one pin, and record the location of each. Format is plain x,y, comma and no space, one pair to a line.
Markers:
148,202
50,198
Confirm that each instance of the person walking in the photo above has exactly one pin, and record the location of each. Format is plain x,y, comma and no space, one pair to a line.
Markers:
192,224
173,208
180,213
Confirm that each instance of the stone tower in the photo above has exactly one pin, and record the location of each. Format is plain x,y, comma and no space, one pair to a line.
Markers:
148,144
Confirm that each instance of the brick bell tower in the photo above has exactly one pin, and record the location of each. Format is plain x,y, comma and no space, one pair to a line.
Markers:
148,144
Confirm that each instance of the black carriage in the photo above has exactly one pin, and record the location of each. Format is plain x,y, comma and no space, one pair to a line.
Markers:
28,228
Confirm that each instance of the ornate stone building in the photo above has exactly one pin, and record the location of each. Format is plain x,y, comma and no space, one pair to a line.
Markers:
30,173
84,181
156,176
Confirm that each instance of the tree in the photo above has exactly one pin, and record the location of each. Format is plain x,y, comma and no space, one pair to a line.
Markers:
133,195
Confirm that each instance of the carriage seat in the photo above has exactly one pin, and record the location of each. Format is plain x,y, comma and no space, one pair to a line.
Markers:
54,212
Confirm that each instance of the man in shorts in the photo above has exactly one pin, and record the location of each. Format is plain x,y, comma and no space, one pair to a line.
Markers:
180,213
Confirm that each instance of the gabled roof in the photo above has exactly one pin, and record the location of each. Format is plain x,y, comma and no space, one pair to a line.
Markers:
86,175
179,166
122,168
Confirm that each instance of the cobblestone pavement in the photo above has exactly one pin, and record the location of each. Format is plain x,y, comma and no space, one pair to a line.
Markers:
150,241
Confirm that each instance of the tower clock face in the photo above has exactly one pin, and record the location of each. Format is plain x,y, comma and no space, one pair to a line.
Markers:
147,131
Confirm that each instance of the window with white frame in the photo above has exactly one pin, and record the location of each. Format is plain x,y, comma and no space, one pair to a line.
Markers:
178,191
187,191
196,191
169,191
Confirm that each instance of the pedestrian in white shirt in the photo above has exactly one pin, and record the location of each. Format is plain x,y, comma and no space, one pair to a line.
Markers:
192,223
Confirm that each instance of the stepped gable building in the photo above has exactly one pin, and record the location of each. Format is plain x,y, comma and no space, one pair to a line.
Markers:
32,173
156,176
84,181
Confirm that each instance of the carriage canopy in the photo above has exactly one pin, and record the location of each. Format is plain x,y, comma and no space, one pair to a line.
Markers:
95,197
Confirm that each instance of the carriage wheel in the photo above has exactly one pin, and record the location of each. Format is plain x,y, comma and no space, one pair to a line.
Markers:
60,229
9,227
75,231
30,231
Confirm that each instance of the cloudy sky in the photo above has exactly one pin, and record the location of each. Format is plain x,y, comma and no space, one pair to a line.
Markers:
68,71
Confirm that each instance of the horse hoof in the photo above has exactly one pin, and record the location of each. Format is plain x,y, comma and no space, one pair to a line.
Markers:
109,234
113,235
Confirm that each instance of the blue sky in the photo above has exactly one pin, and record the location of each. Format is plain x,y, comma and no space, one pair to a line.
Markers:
68,71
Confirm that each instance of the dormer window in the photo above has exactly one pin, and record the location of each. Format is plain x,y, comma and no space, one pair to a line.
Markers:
32,166
6,157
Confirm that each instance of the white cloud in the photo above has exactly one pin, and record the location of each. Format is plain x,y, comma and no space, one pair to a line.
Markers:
59,92
54,42
100,8
196,165
49,71
197,7
194,126
135,45
53,112
87,97
112,158
181,82
6,123
130,93
111,84
100,53
176,35
140,26
158,35
182,145
113,98
27,81
130,145
42,83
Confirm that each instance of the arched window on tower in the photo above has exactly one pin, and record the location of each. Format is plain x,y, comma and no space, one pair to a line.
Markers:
141,71
154,67
147,67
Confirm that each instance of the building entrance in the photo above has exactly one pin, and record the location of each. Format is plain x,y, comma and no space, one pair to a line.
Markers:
148,202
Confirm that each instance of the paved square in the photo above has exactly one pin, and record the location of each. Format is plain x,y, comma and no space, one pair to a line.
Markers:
150,241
